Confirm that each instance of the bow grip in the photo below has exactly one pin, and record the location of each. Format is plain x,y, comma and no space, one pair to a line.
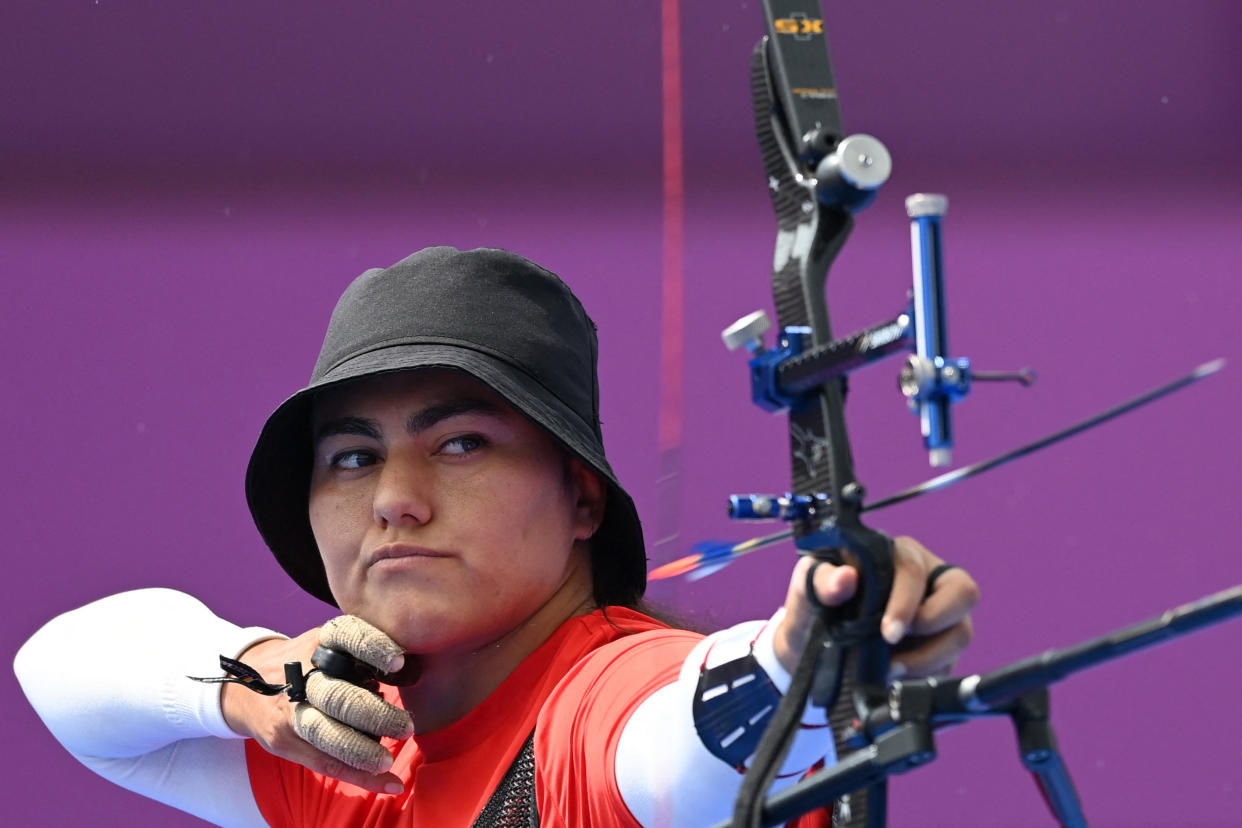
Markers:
856,623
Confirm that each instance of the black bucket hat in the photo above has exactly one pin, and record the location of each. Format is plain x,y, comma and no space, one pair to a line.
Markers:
500,318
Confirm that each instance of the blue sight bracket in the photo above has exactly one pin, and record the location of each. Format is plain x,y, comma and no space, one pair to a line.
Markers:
784,377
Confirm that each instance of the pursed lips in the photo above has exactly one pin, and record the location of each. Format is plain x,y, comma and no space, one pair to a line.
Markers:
394,551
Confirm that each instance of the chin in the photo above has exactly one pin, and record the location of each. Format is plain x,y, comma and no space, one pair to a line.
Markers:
431,629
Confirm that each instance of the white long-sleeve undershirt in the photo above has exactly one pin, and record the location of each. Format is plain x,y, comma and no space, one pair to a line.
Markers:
143,725
149,729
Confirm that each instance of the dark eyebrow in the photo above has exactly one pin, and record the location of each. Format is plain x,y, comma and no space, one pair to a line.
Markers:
432,414
358,426
418,422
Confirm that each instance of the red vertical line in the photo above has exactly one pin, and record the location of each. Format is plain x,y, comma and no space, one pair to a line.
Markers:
672,294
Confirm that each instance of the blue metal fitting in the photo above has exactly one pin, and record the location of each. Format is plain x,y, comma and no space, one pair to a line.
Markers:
788,506
765,389
930,381
930,387
825,537
754,507
953,377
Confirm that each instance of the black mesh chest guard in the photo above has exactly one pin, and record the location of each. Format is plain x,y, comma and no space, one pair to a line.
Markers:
512,804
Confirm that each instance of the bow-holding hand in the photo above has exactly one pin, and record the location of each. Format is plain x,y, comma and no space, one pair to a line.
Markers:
939,624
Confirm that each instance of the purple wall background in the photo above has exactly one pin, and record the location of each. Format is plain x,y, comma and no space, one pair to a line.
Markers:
184,193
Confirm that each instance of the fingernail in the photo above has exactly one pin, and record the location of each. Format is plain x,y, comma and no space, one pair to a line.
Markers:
892,630
393,787
397,662
896,670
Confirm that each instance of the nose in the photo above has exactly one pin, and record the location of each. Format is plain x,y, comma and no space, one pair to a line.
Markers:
402,493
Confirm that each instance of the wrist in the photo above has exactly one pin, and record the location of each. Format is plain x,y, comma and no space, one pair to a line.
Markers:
238,703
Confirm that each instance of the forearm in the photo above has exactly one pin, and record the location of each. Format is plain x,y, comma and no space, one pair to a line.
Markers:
665,773
109,679
110,682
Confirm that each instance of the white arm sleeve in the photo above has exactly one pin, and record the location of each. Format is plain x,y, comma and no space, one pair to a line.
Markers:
109,681
665,774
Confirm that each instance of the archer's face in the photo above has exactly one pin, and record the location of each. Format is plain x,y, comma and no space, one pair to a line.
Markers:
444,516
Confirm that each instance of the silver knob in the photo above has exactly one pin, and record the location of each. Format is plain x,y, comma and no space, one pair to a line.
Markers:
750,328
926,204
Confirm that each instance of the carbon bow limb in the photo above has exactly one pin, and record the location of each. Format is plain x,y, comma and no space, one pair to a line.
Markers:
816,178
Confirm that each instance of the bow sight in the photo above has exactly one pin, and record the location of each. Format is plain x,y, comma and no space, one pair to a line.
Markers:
784,376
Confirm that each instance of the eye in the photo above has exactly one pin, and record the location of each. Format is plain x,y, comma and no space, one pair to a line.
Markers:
463,444
352,459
